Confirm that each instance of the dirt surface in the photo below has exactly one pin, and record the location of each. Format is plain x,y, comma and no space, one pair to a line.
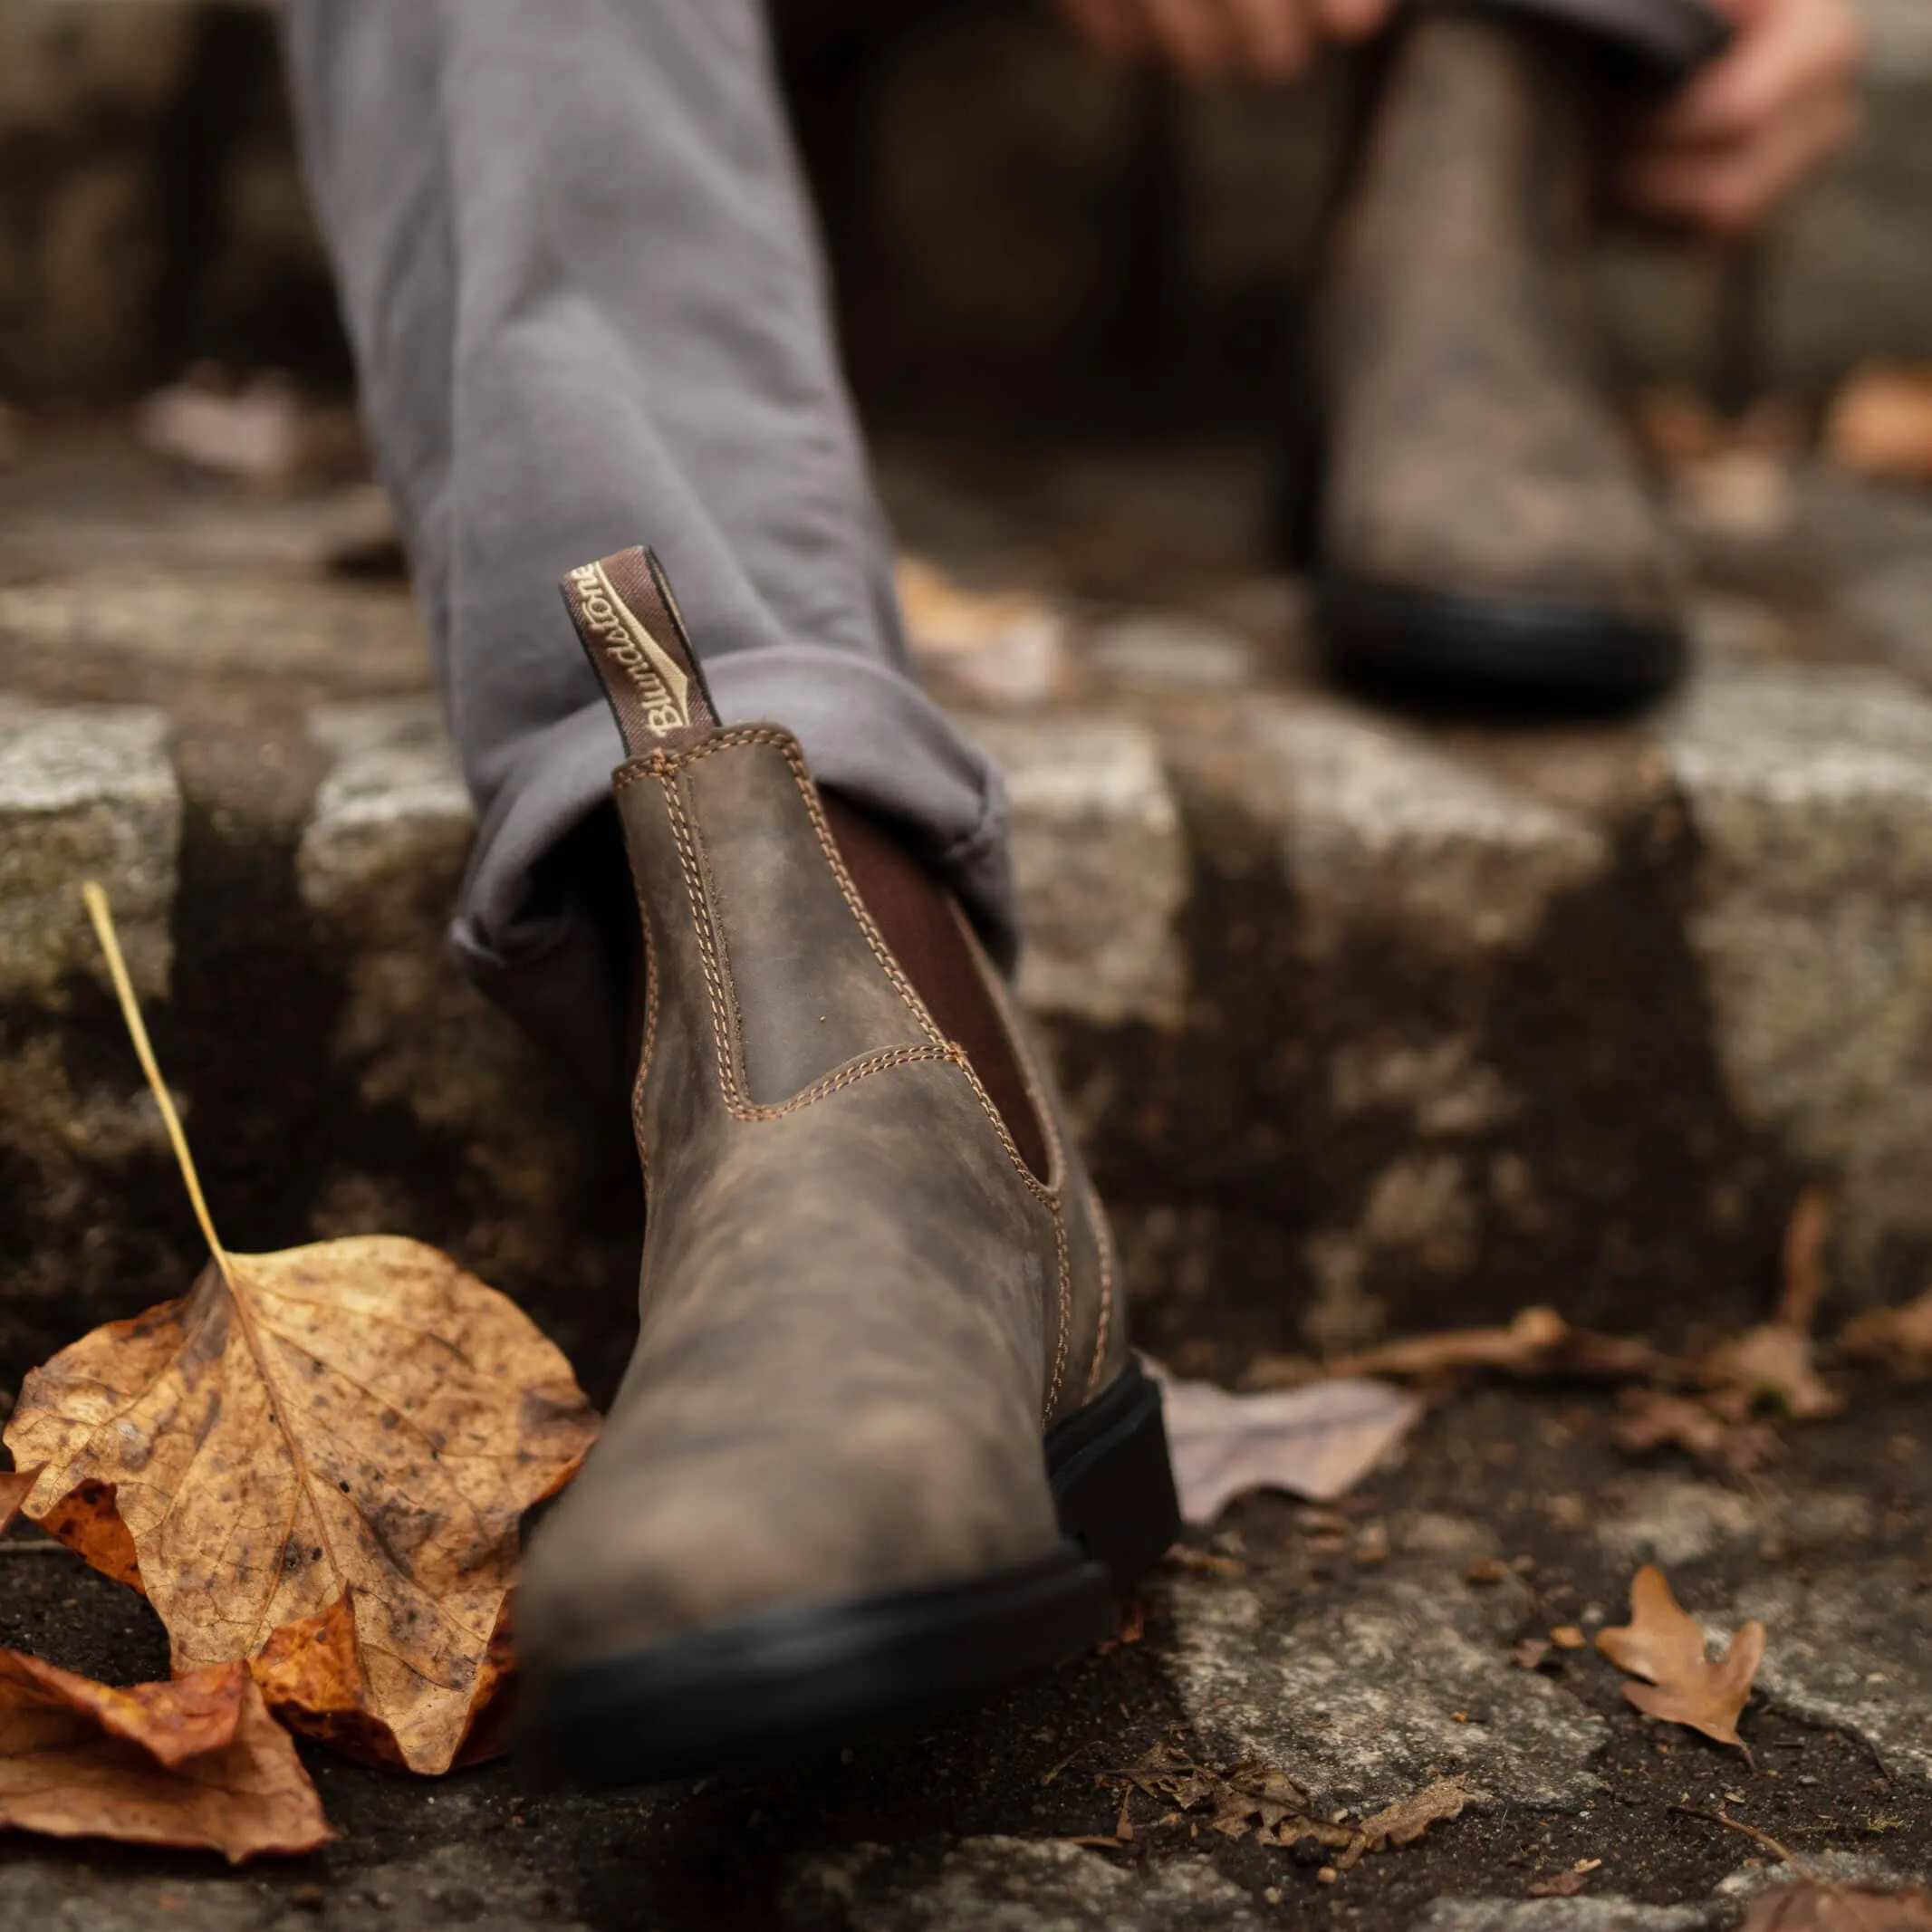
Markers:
1530,1475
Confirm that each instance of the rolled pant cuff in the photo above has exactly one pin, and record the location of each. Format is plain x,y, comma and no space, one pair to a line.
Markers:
869,734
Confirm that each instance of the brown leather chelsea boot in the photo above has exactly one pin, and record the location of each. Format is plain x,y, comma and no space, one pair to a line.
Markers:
882,1445
1484,529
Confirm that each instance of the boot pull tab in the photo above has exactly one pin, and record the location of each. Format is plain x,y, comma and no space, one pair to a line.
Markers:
628,620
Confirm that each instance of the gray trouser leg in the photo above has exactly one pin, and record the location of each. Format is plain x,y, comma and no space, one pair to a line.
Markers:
587,308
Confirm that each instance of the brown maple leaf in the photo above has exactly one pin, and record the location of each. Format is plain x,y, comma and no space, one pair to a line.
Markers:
16,1487
316,1682
1663,1644
359,1420
198,1763
355,1424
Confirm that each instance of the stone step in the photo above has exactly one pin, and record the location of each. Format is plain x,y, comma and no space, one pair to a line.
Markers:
1367,1026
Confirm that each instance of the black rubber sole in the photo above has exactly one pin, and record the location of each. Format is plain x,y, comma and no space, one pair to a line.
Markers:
790,1683
1472,652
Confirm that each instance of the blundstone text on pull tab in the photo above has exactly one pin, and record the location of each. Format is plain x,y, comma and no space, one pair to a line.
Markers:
624,613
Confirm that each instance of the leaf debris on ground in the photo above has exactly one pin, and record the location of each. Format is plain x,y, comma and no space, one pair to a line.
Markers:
1880,423
1560,1884
1004,648
1536,1342
1665,1645
1317,1442
257,430
1718,1429
1730,477
1815,1906
1257,1799
198,1763
1775,1361
1897,1341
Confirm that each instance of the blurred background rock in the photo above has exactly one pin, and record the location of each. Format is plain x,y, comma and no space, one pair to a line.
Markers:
1014,227
1365,1020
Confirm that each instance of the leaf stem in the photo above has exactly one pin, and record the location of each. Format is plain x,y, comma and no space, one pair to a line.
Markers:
103,916
1786,1854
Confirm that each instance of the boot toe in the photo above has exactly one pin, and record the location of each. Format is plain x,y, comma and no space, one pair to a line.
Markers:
892,1498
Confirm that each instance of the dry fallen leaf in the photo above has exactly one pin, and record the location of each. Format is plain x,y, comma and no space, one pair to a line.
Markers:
317,1681
1260,1798
1773,1361
1809,1906
1730,477
357,1422
1405,1821
1563,1885
1716,1427
358,1417
1804,1268
1747,495
1253,1796
259,431
1663,1644
1881,424
1537,1341
1316,1442
1006,648
1677,426
16,1487
1897,1340
198,1763
1528,1341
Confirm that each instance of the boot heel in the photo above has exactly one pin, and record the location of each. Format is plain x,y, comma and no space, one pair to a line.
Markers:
1111,1479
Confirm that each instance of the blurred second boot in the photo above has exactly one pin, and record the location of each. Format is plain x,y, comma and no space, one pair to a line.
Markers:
1484,531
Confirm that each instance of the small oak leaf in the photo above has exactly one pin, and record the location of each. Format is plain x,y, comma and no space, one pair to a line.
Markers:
1664,1645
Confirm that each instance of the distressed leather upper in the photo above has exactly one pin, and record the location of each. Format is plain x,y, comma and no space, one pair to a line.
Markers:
1471,451
858,1308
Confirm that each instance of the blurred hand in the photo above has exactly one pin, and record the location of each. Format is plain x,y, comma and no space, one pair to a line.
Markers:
1260,40
1725,150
